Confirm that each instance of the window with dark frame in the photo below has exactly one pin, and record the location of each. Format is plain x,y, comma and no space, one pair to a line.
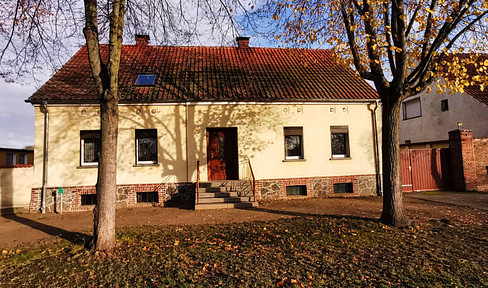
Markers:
88,199
445,105
343,188
23,158
339,141
10,159
90,147
145,80
296,190
148,197
146,146
412,109
293,142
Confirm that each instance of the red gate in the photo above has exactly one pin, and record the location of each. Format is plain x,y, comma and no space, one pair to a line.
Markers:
425,169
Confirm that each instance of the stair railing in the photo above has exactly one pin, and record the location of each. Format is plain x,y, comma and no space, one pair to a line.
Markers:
165,180
198,183
253,181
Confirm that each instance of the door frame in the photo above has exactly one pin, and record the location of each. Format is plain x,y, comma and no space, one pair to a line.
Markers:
232,165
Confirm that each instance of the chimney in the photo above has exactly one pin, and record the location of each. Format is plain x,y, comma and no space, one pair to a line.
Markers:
142,40
242,42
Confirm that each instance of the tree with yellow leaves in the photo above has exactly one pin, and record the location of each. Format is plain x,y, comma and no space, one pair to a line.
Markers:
403,47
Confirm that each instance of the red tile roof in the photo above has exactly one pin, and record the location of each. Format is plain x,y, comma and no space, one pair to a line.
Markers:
212,74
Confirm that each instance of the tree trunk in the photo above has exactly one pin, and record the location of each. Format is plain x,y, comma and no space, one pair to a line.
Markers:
393,213
104,212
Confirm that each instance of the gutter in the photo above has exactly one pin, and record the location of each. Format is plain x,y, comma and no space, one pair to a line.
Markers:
45,111
186,142
379,188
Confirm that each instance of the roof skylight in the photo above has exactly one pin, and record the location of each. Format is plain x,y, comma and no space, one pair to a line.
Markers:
145,79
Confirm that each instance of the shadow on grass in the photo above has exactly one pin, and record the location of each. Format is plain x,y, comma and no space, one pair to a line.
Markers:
304,214
73,237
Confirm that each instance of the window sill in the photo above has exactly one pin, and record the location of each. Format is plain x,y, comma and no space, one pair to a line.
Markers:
340,158
87,166
146,165
294,160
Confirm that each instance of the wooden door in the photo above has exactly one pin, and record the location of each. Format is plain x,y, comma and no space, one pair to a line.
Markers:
222,163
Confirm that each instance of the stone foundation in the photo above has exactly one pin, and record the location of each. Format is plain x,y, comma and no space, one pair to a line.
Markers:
169,194
271,189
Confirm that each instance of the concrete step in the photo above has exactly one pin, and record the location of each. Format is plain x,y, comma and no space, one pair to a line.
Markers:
220,183
214,189
223,200
210,206
218,194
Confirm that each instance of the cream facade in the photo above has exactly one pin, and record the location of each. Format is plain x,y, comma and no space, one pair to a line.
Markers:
182,141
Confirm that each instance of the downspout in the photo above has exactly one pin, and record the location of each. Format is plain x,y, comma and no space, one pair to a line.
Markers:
379,188
186,143
45,111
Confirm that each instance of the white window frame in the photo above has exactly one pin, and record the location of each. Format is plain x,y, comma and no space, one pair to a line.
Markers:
82,153
137,150
345,130
302,152
404,108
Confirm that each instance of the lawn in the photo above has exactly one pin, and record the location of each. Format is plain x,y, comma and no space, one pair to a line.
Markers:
313,251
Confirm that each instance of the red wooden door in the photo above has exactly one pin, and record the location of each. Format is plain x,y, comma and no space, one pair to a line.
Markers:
222,153
424,169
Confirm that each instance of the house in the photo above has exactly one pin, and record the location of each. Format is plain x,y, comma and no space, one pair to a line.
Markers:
10,157
16,174
427,118
246,122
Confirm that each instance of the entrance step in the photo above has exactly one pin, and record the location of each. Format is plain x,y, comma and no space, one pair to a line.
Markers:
217,195
206,200
209,206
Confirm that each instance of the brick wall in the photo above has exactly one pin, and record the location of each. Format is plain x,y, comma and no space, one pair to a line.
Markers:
469,161
271,189
169,194
480,148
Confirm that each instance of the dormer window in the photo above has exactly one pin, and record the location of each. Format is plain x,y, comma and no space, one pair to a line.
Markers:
145,80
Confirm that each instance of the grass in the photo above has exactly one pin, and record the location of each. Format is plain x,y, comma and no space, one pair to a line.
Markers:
296,252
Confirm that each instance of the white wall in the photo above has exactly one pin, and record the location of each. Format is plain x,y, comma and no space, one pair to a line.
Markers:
435,124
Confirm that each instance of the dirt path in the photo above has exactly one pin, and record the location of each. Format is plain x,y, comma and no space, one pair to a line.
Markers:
462,208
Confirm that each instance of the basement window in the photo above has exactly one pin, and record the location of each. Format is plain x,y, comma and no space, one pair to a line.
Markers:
145,80
296,190
147,197
88,199
343,188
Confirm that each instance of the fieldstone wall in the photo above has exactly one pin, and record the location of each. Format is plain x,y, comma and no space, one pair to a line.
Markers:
273,189
171,194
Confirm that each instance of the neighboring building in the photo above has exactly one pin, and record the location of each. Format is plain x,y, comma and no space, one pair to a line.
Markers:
304,123
10,157
427,118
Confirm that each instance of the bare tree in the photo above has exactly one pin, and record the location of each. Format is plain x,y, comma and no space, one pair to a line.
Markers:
401,46
35,31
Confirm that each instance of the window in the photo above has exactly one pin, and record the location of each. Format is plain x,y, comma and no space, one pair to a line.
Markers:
23,158
340,141
293,142
147,197
445,105
411,109
90,147
88,199
145,79
146,146
343,188
298,190
11,159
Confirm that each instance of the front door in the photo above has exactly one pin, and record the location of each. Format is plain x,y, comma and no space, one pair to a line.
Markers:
222,158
